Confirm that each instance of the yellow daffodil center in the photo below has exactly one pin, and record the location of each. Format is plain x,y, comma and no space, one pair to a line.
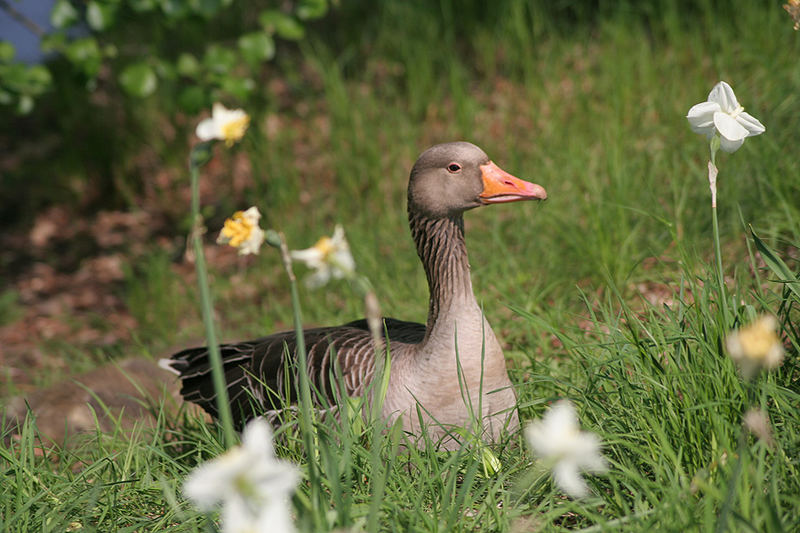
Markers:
234,130
244,486
757,340
325,247
236,229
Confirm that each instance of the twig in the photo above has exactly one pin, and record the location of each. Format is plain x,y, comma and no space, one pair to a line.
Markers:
21,18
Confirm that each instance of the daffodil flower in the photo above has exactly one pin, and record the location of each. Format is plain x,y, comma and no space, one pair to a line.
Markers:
722,114
330,258
491,464
757,422
249,482
793,8
558,440
241,231
227,125
757,345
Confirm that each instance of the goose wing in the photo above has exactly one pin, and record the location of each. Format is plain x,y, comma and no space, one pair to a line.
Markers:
256,371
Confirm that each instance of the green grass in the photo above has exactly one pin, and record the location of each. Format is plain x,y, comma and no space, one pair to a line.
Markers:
592,107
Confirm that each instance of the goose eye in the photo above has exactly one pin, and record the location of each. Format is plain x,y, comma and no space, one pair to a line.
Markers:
453,167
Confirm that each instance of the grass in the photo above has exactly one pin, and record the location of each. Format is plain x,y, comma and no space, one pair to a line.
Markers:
591,106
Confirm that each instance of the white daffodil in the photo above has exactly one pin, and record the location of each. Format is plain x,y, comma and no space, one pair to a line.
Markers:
722,114
227,125
557,439
757,422
756,345
250,483
242,231
330,258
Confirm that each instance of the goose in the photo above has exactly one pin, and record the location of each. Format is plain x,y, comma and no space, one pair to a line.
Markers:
441,371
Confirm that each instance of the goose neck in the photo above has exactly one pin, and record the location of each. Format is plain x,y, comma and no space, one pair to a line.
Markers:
442,249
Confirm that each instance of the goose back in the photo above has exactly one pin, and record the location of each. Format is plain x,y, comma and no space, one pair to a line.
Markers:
261,378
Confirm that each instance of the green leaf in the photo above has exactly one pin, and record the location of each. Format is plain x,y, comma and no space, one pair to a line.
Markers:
192,99
776,264
219,59
205,8
6,51
63,14
14,76
53,41
164,69
81,50
312,9
141,6
284,25
110,50
39,79
25,104
187,65
240,88
257,47
100,15
138,79
174,8
23,79
85,54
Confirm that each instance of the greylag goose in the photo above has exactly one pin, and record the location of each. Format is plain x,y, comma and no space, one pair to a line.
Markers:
446,180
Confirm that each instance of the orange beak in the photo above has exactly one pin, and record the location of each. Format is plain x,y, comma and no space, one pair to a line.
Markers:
499,187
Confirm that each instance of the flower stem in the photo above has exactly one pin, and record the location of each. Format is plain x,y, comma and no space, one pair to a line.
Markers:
378,388
303,384
741,449
720,274
372,309
376,396
217,371
712,179
722,523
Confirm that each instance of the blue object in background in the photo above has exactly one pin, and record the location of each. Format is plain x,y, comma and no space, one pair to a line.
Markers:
26,42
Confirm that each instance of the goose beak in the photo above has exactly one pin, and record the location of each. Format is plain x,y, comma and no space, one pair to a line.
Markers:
500,187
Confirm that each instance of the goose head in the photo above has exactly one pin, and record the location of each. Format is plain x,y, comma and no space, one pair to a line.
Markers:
451,178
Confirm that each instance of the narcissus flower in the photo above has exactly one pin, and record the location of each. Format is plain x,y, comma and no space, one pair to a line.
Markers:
558,440
722,114
227,125
757,422
793,8
330,258
491,464
250,484
241,231
756,345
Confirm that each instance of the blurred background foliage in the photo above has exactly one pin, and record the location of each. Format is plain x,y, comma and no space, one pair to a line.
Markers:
116,70
113,67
